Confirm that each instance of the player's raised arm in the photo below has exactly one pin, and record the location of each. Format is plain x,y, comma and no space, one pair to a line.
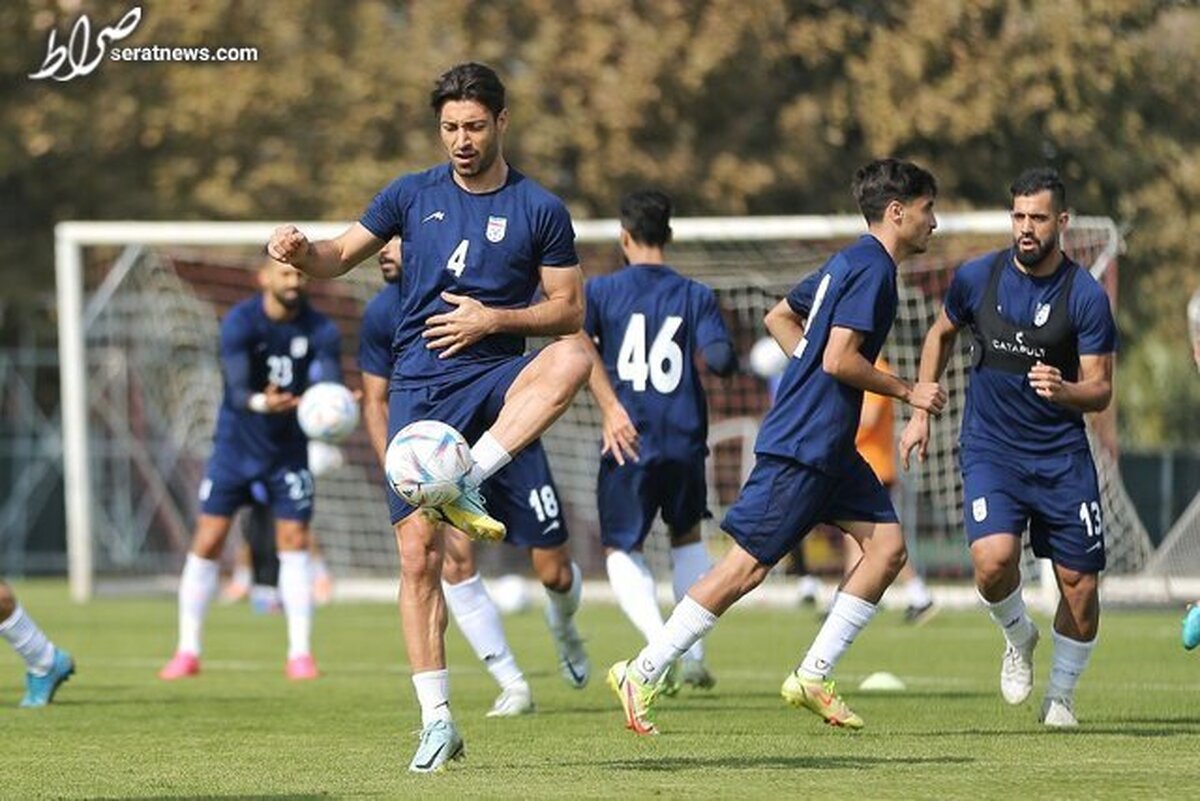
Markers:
326,258
844,361
935,353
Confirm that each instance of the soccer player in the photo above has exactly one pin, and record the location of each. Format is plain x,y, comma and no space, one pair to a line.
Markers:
46,665
478,237
807,470
273,346
648,323
1190,626
1043,356
523,494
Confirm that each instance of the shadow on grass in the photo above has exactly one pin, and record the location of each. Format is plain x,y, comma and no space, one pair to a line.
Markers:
667,764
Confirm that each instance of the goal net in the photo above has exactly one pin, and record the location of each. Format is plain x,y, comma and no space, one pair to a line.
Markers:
140,305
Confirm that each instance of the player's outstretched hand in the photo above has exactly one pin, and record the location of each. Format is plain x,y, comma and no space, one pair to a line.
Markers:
469,322
287,244
915,435
279,401
618,435
927,396
1046,381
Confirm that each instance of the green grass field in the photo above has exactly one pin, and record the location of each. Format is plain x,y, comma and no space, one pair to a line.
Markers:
242,730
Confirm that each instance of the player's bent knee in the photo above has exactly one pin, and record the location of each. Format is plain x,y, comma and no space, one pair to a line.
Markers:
420,556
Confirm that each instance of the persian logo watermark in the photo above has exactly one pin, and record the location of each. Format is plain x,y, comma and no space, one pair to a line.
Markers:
82,53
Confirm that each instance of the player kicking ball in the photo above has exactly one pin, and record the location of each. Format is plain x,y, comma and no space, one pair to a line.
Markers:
807,470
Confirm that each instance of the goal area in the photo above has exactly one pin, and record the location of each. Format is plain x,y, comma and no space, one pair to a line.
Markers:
140,304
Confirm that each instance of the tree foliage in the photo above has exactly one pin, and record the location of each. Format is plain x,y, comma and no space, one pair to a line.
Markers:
733,107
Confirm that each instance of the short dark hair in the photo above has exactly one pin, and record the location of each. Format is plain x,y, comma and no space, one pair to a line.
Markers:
1041,179
646,215
881,181
470,81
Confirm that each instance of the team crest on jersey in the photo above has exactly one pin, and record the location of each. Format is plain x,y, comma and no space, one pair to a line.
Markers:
979,509
299,347
1041,314
496,228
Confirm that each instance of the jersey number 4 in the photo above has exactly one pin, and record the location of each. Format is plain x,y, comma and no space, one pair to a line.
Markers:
458,259
663,365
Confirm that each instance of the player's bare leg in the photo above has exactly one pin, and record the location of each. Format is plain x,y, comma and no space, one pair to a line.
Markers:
479,620
809,686
197,586
564,586
997,562
295,592
1076,624
539,394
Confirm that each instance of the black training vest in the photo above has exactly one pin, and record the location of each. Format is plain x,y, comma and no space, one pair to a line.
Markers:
1001,345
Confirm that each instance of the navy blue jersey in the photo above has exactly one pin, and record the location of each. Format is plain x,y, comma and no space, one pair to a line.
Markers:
487,246
257,351
1003,413
379,321
815,417
648,322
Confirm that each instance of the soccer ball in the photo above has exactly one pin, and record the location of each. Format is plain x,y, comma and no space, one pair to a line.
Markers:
510,593
767,359
327,412
426,463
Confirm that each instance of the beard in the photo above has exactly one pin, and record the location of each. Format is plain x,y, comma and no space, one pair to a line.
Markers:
1030,258
289,301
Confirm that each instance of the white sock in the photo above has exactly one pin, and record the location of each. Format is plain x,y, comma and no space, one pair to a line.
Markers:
242,576
433,694
479,620
633,584
28,641
489,456
1070,659
848,615
295,592
918,593
562,605
688,623
197,586
688,564
1012,618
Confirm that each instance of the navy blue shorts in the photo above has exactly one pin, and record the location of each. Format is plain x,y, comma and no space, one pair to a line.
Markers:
470,404
227,487
631,496
783,500
1057,496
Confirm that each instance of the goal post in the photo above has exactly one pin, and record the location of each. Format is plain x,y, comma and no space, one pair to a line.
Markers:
138,309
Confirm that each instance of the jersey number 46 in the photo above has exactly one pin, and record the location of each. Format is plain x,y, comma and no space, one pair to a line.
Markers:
662,365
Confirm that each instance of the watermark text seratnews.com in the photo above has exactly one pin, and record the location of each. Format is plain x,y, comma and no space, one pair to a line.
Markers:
82,53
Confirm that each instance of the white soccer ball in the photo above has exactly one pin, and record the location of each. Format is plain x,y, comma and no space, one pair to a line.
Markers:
327,412
324,458
510,593
426,463
767,359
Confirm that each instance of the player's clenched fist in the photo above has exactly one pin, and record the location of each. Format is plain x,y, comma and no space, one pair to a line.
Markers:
287,244
927,395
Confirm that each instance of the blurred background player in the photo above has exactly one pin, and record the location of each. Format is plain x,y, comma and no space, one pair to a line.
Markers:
1043,356
1190,633
46,665
648,323
273,346
806,469
523,495
480,239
